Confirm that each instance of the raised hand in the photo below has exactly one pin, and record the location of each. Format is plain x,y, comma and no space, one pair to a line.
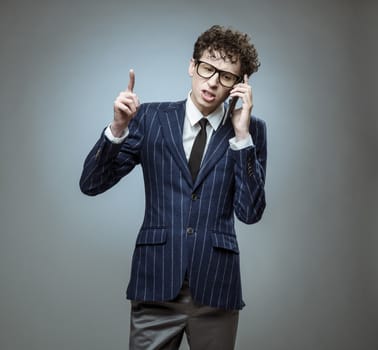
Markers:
125,107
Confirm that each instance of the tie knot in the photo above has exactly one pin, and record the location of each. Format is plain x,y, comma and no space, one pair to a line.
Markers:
202,122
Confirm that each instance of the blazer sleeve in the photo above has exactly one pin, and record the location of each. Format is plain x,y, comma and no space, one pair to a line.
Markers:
108,162
250,167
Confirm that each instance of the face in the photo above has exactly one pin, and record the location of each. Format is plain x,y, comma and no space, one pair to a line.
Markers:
208,93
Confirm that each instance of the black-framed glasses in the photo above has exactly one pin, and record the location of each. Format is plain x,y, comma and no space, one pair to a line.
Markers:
226,79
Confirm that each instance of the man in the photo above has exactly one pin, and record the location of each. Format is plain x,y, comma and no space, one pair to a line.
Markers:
200,168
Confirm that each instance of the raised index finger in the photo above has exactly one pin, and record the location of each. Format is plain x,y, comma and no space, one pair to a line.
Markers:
130,87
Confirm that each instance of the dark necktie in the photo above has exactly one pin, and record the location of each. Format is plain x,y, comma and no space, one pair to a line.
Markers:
197,149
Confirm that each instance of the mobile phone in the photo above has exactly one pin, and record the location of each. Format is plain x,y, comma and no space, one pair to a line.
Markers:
230,109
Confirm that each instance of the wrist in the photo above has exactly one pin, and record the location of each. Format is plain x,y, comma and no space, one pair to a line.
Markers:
117,129
241,135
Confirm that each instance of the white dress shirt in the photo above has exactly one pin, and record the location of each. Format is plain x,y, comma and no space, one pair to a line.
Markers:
191,129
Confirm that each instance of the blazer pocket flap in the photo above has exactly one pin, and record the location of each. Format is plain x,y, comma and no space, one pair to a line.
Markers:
152,236
225,241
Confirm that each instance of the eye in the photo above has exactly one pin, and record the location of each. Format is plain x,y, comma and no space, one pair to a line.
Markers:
208,68
228,77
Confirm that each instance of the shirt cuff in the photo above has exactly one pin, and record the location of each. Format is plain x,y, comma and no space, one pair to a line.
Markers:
113,139
238,145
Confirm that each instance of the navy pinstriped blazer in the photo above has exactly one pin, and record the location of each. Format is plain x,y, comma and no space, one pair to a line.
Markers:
188,228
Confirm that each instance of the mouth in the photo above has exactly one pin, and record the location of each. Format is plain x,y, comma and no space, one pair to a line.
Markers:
208,96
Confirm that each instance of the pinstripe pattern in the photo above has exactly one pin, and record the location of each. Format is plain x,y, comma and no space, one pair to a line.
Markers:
188,227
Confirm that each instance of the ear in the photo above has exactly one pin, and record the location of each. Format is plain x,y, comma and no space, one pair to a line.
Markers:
191,67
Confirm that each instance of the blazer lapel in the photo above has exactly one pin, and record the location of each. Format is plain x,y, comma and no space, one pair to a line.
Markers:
172,121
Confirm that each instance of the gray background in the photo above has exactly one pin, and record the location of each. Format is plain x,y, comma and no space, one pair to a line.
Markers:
309,267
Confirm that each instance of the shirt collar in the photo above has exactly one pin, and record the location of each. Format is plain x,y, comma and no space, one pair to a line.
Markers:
194,115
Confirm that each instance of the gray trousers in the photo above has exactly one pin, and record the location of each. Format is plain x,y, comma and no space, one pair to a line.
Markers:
161,325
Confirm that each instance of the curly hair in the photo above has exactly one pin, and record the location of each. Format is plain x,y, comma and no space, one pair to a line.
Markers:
232,45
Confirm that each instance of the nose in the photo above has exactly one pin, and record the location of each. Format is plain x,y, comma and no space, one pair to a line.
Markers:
214,80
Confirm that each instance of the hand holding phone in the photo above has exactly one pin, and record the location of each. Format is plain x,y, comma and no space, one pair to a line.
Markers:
230,109
242,116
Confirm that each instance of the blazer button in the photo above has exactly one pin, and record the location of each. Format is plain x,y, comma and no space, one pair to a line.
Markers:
189,230
194,197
